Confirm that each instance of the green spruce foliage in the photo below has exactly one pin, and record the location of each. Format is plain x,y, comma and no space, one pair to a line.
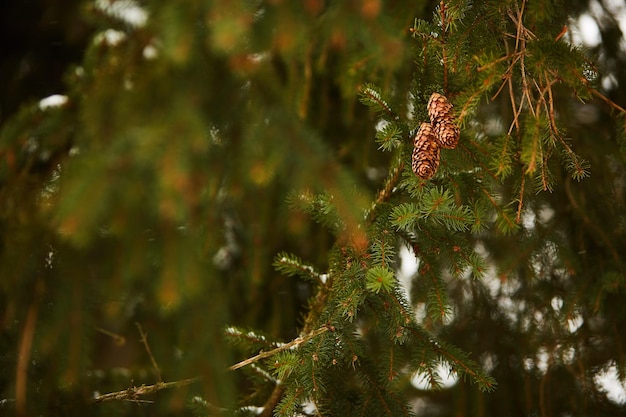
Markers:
214,214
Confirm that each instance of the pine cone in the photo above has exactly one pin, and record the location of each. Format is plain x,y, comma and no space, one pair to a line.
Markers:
447,134
442,119
426,152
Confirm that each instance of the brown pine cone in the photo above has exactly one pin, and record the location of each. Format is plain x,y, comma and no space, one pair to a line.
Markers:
426,152
447,134
442,119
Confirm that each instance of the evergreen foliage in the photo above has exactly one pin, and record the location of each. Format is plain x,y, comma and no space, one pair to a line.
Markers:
195,142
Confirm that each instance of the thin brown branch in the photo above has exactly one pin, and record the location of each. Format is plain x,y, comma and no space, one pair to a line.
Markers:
25,350
514,55
296,342
606,100
134,393
515,122
550,106
526,90
119,339
144,340
505,80
390,183
444,28
521,201
597,231
598,94
272,401
464,110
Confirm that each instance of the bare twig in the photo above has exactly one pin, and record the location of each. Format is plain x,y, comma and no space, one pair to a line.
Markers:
606,100
444,29
119,339
134,393
513,56
144,340
25,350
520,203
272,401
296,342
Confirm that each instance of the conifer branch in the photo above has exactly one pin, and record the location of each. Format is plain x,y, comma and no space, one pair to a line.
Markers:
390,183
438,294
294,343
514,55
509,223
386,192
462,363
407,316
380,391
292,265
371,97
392,373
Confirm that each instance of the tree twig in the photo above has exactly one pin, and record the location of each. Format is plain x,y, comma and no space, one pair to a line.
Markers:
295,342
144,340
119,339
272,401
133,393
25,350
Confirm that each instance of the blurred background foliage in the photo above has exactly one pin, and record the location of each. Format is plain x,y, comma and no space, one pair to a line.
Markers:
154,191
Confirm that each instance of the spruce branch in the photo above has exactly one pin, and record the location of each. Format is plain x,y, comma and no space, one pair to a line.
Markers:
371,97
391,405
386,192
291,265
294,343
438,304
463,364
389,136
392,179
288,403
249,337
504,221
456,358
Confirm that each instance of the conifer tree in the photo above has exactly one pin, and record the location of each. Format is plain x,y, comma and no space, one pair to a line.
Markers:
211,216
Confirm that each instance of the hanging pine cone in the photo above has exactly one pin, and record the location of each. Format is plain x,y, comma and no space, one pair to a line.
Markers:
426,151
442,118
